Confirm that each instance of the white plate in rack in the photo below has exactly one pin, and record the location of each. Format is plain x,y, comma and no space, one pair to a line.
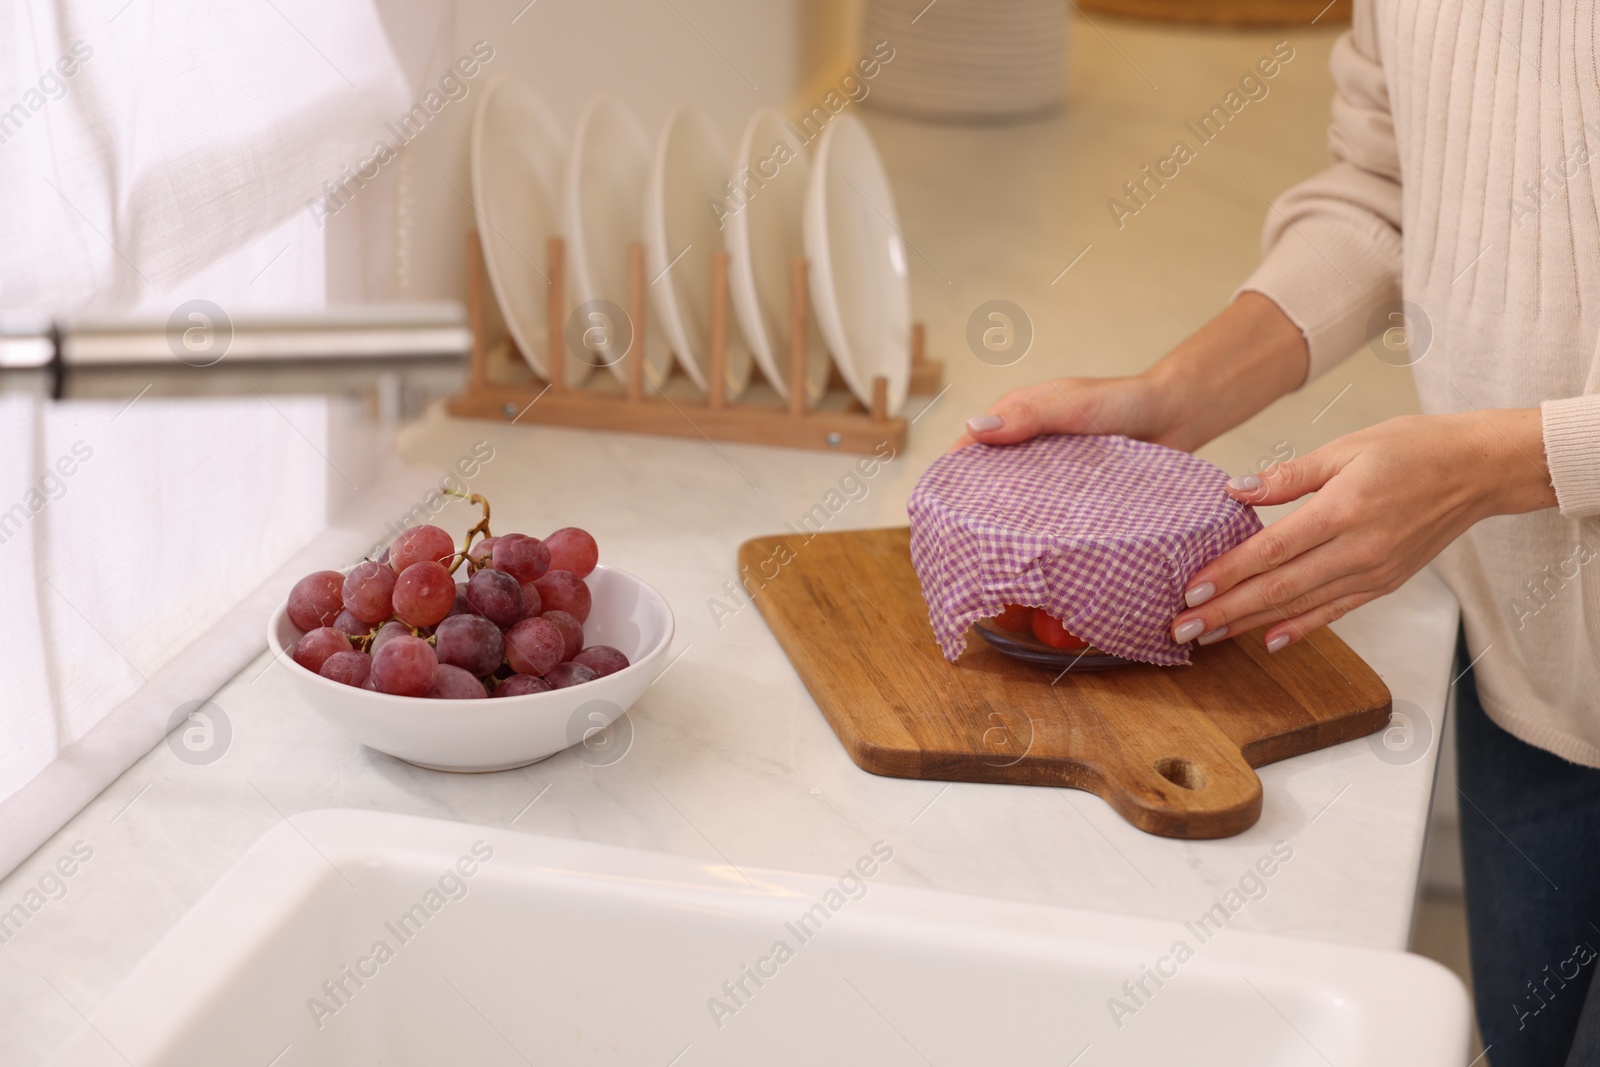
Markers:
519,157
683,232
860,285
763,234
605,193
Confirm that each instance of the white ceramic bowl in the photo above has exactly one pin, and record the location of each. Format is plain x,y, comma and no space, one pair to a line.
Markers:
605,192
860,284
499,733
763,234
682,235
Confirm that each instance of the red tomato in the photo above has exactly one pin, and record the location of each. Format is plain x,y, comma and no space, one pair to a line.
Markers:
1016,618
1052,633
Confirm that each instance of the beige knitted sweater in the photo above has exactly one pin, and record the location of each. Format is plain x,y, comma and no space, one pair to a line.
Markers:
1463,182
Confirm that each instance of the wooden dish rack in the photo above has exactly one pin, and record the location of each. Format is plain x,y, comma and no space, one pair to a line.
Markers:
501,384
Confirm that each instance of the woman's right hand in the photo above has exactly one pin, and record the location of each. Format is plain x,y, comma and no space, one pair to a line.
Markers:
1232,367
1136,407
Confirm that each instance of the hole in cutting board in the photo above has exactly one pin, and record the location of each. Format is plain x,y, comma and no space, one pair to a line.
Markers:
1183,773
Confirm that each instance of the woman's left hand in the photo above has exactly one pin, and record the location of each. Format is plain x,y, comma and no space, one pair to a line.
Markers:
1388,499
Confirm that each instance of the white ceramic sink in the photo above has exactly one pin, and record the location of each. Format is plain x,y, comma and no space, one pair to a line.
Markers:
522,949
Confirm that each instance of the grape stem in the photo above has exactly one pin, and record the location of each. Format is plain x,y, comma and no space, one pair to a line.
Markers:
482,527
362,641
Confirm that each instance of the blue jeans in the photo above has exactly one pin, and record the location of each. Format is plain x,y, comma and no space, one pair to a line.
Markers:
1530,844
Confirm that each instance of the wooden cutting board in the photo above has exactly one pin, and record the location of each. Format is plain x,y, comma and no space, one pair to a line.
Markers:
1170,748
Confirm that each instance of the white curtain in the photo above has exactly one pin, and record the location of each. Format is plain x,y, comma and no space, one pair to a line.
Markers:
147,142
154,151
142,548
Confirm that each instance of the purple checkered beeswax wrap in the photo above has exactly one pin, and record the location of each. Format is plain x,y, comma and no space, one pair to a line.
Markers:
1103,533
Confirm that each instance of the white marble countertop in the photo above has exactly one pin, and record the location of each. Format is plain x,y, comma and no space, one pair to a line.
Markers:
731,761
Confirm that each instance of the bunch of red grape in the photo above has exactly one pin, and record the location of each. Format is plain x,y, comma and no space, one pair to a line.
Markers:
402,624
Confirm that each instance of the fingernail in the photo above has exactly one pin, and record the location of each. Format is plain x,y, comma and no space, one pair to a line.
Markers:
985,423
1277,643
1199,594
1211,637
1248,483
1187,631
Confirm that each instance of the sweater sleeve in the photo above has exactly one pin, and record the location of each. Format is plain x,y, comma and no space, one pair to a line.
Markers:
1572,448
1331,245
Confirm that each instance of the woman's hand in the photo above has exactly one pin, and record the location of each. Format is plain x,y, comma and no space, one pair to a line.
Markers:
1135,407
1229,369
1388,499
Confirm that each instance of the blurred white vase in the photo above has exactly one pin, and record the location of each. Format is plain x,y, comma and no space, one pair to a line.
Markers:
969,60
